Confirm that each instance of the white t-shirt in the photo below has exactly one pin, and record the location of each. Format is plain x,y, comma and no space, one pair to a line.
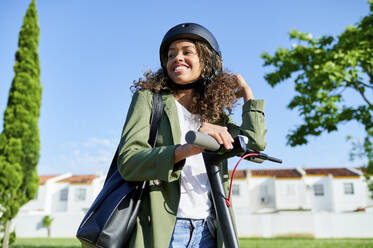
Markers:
195,187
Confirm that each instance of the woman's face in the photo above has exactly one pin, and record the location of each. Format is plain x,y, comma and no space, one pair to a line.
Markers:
183,65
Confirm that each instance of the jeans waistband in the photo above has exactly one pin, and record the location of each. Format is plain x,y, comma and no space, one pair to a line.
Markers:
192,222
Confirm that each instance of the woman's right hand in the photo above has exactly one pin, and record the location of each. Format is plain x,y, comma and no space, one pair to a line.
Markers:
186,150
219,133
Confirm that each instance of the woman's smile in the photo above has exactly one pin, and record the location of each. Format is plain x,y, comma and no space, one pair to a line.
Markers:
180,68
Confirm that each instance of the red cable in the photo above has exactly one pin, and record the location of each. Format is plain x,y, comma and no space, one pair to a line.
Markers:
227,200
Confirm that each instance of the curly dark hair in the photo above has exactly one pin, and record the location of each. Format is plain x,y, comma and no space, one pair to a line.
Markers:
212,103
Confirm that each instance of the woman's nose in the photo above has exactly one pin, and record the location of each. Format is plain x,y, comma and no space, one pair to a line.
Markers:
179,57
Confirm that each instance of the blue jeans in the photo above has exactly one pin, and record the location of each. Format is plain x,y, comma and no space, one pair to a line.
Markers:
189,233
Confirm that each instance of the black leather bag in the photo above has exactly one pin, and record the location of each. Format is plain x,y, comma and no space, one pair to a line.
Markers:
111,218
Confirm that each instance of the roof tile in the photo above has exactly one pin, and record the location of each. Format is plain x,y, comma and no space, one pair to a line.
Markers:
43,179
239,174
335,172
283,173
78,179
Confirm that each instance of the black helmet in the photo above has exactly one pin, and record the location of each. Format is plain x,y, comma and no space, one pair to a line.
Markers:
191,31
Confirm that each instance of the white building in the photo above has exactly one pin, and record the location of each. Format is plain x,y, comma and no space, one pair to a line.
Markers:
312,202
321,203
65,198
65,194
323,189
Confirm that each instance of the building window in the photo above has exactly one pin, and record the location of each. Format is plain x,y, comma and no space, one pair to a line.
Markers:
64,194
236,189
348,188
263,190
318,189
80,194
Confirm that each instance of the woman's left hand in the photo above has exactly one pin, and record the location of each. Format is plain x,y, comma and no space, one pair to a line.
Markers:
219,133
244,89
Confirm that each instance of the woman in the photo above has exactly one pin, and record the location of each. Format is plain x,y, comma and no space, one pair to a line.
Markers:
197,95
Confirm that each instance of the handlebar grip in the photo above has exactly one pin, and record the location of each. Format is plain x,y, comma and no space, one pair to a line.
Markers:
202,140
255,160
276,160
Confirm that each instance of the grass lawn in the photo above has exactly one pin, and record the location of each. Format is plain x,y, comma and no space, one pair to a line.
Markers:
305,242
244,243
46,243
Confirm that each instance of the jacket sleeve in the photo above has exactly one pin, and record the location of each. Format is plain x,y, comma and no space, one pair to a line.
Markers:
253,125
137,160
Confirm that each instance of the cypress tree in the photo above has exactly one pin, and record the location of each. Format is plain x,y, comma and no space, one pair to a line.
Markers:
19,140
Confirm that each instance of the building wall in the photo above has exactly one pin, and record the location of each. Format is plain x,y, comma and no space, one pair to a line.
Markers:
63,225
76,205
262,194
242,200
319,202
369,197
308,224
257,197
318,225
348,202
343,225
290,194
58,204
38,204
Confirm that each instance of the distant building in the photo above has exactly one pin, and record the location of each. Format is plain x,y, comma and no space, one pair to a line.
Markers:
258,196
65,193
322,189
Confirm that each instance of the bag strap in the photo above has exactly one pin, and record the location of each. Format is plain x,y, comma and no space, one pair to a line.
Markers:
155,120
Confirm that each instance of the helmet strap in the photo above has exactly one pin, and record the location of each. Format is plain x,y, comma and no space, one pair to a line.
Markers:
185,86
214,71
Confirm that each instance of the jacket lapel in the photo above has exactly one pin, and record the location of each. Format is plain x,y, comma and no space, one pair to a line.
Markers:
171,112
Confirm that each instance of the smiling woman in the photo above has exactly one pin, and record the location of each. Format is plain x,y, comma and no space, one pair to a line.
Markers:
183,66
197,95
212,99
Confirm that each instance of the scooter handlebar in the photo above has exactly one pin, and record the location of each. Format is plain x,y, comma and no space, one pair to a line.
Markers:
209,143
202,140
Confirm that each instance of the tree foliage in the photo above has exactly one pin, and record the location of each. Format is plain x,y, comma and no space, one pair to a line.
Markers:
47,222
19,140
324,70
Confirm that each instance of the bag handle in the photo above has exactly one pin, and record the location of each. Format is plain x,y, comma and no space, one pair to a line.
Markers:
155,120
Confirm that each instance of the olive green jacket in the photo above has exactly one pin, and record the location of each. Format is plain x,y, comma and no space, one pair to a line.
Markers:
138,161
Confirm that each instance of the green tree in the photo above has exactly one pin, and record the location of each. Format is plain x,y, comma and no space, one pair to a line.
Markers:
47,222
19,140
12,238
324,70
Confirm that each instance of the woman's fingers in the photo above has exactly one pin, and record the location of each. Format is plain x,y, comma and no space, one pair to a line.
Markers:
219,133
227,140
243,89
217,137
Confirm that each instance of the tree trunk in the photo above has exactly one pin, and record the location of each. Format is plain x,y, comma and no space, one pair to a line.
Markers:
6,234
49,231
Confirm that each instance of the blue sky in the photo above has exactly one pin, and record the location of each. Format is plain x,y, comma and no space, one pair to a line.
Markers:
91,51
